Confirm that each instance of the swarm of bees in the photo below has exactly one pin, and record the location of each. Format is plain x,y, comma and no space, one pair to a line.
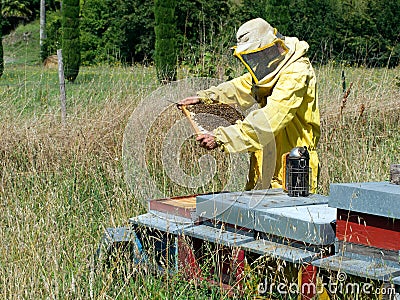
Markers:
211,116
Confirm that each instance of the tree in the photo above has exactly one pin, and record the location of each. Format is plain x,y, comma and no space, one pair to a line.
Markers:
317,22
95,22
387,20
117,31
140,33
1,44
165,49
278,15
202,31
16,12
17,9
206,32
70,42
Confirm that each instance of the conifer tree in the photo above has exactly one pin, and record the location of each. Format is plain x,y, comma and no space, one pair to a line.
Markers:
70,41
165,46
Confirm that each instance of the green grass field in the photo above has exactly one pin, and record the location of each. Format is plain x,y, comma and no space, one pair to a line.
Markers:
61,186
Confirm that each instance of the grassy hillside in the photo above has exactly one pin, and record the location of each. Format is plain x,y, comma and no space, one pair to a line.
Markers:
61,186
22,45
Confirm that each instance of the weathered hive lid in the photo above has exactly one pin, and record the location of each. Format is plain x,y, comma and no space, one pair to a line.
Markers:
305,219
238,208
375,198
311,224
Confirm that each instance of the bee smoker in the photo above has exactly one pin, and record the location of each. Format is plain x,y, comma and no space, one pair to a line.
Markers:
298,172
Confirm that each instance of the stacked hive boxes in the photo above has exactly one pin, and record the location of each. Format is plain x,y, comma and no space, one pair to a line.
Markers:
367,230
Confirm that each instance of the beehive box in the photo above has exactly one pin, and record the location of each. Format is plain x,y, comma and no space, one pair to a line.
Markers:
367,230
268,211
183,206
368,213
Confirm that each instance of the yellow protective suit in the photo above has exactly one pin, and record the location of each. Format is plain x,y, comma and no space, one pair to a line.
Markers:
287,116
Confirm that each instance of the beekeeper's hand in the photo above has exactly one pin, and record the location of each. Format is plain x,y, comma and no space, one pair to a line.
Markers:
189,101
207,141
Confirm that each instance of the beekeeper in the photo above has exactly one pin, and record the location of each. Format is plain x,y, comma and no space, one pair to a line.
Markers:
281,80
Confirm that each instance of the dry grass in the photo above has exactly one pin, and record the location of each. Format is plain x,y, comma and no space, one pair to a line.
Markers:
360,144
61,186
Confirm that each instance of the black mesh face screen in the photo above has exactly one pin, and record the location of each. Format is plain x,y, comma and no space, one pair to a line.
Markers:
265,61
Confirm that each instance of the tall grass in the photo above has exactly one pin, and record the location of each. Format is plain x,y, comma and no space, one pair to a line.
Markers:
360,143
61,186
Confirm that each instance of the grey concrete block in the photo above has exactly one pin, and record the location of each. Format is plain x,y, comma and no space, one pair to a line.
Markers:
279,251
163,222
231,208
239,207
376,198
217,235
310,224
359,267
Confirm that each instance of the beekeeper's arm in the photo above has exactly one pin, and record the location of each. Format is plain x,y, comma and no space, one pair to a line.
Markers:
261,125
